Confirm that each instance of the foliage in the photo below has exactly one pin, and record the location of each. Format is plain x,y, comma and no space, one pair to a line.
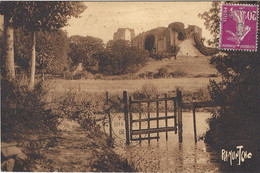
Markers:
25,120
80,109
37,16
208,51
237,94
51,48
212,21
2,50
162,72
120,58
85,50
149,90
159,55
40,16
179,27
174,50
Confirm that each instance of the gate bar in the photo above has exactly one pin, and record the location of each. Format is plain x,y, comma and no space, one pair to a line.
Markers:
166,121
153,130
126,117
155,118
179,97
175,115
136,139
148,106
131,117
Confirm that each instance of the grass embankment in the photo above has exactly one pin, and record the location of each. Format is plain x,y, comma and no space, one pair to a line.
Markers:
183,66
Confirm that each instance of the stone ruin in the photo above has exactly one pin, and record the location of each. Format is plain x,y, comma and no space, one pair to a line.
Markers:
163,39
124,34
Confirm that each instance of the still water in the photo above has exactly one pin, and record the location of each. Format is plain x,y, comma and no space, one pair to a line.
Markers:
168,156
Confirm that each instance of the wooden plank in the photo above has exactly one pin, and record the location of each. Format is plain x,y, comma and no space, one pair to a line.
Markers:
152,130
138,139
166,112
199,104
155,118
157,115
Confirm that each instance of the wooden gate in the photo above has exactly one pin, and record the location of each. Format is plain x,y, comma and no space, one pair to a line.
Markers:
176,118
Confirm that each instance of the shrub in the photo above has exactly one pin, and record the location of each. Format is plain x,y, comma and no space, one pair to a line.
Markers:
159,55
23,117
179,73
148,90
162,73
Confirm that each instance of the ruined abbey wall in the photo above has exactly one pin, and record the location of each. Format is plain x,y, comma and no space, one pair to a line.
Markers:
162,39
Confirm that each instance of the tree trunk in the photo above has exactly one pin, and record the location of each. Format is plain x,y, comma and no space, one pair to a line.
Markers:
9,49
33,59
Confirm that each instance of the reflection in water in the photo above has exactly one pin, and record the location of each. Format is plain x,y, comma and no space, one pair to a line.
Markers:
168,155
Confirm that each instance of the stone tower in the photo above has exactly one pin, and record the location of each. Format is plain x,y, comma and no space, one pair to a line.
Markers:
124,34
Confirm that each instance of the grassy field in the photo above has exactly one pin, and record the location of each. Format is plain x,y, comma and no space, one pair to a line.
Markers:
115,86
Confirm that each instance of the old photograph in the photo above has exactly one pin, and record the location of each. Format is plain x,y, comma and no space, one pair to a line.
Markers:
130,86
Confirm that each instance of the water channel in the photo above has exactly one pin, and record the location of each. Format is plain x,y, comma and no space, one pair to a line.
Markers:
168,156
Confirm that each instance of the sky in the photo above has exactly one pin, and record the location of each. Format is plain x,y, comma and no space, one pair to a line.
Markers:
102,19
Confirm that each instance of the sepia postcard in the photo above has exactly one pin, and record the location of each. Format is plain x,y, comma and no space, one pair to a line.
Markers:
118,86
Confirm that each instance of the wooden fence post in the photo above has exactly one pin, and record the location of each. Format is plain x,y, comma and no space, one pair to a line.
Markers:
109,117
194,121
131,117
126,117
179,99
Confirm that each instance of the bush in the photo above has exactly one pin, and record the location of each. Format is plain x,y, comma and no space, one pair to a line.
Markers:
159,55
208,51
179,73
148,90
162,73
23,117
120,58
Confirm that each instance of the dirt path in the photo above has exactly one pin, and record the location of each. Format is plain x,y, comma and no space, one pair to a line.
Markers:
79,150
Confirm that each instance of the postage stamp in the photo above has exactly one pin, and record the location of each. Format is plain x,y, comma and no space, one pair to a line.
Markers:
238,27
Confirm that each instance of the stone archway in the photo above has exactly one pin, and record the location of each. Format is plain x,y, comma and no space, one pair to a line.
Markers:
149,43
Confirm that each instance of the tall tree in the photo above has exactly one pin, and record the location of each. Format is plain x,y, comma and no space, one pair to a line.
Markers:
85,50
7,9
212,21
51,47
40,16
120,58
